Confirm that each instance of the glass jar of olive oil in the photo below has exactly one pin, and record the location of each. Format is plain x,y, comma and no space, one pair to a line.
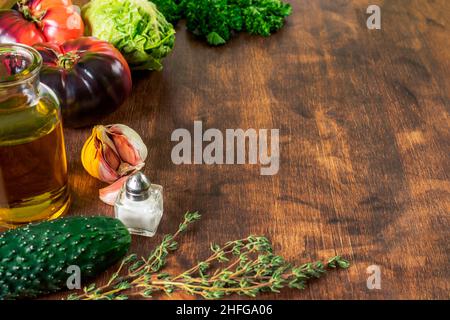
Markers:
33,167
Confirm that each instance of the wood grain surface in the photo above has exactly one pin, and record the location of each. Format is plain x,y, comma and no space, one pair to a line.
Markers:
364,145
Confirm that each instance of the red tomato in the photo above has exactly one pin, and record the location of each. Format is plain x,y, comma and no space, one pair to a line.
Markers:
35,21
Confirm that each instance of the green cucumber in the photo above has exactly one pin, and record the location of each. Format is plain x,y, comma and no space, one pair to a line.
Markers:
34,259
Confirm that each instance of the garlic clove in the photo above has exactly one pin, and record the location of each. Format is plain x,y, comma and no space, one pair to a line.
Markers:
110,193
129,144
99,157
109,150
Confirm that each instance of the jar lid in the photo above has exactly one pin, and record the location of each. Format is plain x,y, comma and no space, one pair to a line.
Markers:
137,187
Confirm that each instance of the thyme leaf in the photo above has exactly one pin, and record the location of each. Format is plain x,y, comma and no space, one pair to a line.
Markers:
246,266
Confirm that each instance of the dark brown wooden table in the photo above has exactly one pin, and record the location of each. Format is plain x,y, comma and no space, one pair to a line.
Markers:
364,143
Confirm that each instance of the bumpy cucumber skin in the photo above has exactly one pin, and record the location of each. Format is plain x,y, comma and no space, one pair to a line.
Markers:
34,259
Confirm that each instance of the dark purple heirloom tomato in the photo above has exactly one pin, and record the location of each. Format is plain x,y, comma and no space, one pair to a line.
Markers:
90,77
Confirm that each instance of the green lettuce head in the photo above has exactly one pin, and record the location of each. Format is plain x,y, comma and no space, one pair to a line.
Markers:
135,27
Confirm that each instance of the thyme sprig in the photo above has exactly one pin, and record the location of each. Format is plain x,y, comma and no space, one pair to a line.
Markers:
245,267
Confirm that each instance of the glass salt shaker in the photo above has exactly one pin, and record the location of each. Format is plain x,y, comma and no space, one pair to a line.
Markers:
140,205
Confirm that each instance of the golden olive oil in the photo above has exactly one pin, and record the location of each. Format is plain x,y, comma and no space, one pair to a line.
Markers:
33,166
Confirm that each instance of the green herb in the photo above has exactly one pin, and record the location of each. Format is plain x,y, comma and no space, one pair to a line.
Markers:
263,17
217,20
170,9
244,267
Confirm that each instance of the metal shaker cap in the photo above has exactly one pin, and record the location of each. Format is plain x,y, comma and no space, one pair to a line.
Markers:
137,187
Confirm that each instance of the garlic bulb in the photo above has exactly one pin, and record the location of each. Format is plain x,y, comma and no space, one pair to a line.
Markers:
112,152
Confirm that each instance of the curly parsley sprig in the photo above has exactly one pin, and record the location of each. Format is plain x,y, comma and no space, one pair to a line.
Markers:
217,20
